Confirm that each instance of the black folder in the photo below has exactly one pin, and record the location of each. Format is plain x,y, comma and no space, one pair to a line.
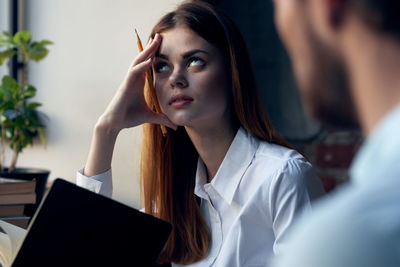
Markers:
76,227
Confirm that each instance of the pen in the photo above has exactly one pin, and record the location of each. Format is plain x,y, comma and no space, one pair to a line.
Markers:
151,86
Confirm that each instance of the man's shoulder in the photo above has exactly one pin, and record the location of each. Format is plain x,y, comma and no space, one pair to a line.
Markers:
356,226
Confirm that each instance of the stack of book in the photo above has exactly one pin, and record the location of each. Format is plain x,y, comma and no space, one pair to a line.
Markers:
14,195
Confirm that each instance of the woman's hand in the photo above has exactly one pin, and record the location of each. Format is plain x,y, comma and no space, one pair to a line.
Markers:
128,107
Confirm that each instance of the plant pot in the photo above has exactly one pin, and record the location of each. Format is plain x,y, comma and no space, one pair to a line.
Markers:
40,175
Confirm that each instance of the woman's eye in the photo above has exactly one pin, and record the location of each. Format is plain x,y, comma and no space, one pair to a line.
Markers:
196,62
161,67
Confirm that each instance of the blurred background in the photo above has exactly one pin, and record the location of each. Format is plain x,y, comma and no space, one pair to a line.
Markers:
94,43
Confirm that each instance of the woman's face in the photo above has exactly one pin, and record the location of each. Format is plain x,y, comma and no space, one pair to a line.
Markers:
190,78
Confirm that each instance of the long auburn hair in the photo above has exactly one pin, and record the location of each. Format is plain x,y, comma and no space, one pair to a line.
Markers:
168,164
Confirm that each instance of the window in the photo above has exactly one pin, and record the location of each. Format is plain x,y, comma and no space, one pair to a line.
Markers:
11,20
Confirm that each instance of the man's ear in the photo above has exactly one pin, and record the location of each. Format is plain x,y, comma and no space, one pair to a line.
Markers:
336,11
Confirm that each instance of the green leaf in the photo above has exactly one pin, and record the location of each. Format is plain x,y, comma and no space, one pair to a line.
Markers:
7,34
4,55
3,118
9,133
42,136
19,122
22,37
29,92
33,105
9,83
8,44
10,89
37,52
46,42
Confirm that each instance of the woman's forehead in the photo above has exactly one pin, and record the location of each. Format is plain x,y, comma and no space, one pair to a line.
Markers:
181,40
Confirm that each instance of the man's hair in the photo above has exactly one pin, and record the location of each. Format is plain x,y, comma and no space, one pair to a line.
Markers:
383,15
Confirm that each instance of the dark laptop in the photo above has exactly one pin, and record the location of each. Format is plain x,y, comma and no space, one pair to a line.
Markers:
76,227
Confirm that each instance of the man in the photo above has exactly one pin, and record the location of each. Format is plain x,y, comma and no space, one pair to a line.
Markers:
346,58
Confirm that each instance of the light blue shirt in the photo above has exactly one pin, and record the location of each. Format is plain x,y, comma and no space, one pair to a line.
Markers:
360,224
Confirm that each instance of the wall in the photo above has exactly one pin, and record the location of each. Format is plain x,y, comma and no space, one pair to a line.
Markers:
94,44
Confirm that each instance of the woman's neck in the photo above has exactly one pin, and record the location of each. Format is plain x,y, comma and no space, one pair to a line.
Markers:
212,144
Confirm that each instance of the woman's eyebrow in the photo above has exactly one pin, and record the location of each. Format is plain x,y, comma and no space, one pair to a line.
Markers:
192,52
184,55
161,56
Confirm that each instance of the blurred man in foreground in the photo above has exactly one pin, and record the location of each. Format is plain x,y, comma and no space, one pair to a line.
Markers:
346,58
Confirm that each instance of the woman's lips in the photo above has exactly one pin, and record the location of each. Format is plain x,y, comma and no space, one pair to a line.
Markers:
180,100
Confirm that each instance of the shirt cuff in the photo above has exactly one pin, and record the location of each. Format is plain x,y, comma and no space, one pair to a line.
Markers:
100,183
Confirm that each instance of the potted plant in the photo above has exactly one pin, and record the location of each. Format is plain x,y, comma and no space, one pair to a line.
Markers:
20,122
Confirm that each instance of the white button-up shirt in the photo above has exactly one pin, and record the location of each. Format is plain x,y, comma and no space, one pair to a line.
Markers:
251,202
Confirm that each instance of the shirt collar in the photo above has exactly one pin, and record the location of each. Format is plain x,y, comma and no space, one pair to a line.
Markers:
379,150
238,158
201,179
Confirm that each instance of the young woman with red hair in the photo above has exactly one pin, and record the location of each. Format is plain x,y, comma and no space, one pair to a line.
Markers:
223,177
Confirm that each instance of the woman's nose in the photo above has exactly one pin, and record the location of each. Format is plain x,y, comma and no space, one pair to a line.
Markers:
178,80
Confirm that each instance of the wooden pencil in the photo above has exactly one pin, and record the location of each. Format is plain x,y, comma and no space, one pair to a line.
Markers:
151,86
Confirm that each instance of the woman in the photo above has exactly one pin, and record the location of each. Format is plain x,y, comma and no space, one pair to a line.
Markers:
224,178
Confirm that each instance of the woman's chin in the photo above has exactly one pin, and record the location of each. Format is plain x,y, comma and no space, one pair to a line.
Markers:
181,121
182,124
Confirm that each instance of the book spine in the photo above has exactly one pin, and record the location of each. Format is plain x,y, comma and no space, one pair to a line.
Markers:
20,221
11,210
17,187
18,199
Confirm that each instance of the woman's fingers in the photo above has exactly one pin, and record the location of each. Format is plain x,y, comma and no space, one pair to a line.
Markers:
142,67
149,42
149,51
128,107
134,80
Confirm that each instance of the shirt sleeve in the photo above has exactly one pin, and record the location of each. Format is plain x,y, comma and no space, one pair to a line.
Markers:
291,193
101,183
324,242
343,231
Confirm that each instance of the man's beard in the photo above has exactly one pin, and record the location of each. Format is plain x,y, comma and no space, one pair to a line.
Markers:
327,88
